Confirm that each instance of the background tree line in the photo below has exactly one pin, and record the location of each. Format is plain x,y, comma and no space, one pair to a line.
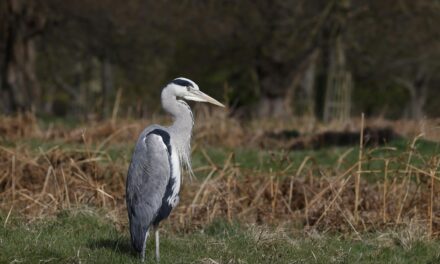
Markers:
272,58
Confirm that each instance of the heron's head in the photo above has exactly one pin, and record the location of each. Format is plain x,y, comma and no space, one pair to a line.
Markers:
186,89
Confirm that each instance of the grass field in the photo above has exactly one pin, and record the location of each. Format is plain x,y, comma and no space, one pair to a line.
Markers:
62,199
88,237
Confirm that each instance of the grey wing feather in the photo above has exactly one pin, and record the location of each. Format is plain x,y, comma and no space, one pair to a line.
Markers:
147,178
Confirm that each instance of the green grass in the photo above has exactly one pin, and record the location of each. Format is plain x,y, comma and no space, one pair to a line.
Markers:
260,160
257,160
88,237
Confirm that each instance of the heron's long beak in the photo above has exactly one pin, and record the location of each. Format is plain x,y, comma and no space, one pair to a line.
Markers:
199,96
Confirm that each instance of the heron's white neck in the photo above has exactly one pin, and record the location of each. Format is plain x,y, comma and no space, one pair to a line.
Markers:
181,129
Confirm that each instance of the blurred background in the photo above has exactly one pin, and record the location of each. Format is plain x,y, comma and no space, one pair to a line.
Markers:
303,58
291,171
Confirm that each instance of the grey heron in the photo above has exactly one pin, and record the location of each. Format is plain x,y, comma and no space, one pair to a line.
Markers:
154,174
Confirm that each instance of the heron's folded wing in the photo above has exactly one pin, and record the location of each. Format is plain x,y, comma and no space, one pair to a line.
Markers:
147,178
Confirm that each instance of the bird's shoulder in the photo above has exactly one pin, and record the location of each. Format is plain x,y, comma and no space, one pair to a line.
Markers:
154,135
152,128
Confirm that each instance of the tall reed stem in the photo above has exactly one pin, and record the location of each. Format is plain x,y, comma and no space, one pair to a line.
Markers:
358,175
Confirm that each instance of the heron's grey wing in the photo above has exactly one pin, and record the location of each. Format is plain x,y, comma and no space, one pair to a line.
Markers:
148,175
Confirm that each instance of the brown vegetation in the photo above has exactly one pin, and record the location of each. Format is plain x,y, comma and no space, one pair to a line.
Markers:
37,183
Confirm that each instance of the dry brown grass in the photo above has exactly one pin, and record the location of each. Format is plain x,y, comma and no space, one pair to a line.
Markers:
40,183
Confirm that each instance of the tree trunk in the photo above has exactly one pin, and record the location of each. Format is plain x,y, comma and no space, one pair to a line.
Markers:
418,91
273,107
416,108
308,85
304,98
279,81
19,81
337,105
337,101
273,79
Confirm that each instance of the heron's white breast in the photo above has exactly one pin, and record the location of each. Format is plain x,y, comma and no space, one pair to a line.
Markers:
175,175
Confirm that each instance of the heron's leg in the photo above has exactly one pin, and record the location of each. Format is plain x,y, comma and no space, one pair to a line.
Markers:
157,244
144,246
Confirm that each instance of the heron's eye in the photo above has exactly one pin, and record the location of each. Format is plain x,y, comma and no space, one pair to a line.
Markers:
188,88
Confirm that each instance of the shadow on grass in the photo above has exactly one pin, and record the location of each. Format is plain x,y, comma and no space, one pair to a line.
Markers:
116,245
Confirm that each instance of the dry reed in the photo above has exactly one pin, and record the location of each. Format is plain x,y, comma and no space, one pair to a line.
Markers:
41,183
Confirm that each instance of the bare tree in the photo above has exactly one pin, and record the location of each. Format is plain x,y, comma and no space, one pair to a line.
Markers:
337,102
288,52
398,47
304,98
418,93
24,22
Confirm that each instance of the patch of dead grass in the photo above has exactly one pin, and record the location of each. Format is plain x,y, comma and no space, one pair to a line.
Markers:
37,184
